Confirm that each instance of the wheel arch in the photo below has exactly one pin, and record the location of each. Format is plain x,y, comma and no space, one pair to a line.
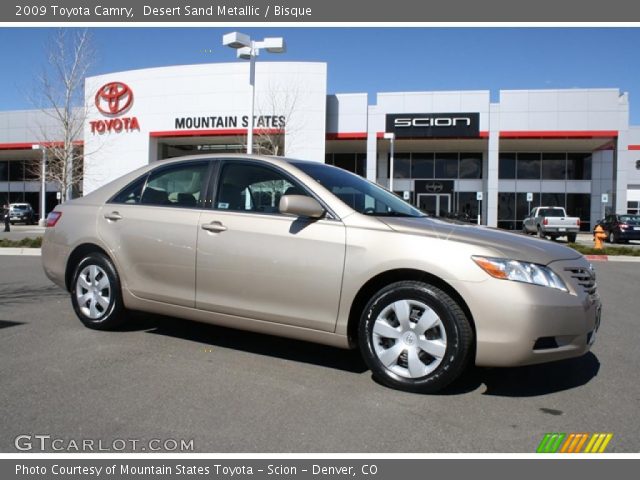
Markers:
383,279
76,256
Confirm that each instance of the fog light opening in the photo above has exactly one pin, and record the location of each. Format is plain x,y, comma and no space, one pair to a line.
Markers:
545,343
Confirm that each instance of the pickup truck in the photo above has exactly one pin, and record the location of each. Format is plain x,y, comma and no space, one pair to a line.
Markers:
552,222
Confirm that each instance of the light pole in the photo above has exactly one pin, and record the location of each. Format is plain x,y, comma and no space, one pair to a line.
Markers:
392,138
248,49
43,195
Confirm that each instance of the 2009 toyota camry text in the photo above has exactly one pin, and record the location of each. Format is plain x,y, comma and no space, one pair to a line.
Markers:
309,251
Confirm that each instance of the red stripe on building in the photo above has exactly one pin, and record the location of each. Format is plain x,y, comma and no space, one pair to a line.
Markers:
482,134
634,147
29,145
347,136
559,134
214,133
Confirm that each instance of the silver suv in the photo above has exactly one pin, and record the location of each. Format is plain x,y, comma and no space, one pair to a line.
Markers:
310,251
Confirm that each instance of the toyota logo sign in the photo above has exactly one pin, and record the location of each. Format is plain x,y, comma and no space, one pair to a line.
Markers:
114,98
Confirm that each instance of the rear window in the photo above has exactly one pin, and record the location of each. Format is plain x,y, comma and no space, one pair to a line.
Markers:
551,212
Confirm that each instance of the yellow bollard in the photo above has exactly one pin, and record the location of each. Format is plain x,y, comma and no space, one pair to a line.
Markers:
598,237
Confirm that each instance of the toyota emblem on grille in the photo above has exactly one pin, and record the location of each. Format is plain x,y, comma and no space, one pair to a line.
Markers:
114,98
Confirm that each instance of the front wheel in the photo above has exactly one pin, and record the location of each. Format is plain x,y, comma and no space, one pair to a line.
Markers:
414,337
96,294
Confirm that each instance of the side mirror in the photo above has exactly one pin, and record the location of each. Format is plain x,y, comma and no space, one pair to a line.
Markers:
301,206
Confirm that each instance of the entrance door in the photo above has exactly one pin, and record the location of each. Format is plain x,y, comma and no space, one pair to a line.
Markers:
436,204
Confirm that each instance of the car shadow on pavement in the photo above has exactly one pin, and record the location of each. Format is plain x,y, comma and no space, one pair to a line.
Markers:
9,323
261,344
529,381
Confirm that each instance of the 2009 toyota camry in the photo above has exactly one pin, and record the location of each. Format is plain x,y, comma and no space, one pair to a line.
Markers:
310,251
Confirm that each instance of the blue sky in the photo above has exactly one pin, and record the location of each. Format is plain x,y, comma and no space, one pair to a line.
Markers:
367,59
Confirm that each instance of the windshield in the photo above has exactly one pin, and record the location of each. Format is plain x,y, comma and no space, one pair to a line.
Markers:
20,207
630,218
362,195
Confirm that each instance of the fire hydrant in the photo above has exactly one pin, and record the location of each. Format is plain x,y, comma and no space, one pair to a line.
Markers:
598,237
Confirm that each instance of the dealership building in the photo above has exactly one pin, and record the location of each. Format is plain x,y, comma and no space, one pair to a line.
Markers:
451,151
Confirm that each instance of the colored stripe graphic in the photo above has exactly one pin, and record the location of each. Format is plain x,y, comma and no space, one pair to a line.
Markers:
572,443
598,442
551,442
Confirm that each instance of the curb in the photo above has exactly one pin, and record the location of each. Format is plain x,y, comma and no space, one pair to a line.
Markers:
32,252
612,258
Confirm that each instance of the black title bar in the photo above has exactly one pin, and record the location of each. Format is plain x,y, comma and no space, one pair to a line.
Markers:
284,11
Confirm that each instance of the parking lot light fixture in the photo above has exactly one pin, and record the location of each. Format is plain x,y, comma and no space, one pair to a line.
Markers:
43,186
248,49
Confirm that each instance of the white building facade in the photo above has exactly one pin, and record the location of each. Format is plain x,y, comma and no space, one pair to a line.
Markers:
454,152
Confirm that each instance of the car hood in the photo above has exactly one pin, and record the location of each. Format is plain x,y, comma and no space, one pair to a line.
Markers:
505,244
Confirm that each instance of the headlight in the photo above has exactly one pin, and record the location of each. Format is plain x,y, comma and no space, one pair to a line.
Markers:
518,271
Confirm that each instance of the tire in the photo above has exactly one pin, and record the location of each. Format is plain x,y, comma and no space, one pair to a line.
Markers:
540,232
611,238
394,343
95,293
571,238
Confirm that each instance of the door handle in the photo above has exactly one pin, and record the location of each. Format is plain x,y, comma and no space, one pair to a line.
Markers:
115,216
214,227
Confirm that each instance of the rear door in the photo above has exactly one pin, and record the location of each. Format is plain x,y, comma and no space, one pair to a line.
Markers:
255,262
152,229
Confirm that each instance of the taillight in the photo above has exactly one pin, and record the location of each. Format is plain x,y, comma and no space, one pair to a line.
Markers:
53,218
578,222
623,226
545,221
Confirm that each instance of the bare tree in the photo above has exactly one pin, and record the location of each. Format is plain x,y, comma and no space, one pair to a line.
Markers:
276,113
61,98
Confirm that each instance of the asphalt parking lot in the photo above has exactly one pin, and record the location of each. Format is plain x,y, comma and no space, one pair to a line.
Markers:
229,391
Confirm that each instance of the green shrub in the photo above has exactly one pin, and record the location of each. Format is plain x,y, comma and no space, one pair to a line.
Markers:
23,243
609,250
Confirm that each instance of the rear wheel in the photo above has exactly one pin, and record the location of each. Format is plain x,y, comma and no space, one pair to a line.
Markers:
611,238
540,232
414,337
96,294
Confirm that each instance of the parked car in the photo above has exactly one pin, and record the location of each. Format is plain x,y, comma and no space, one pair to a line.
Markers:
621,228
552,222
310,251
22,212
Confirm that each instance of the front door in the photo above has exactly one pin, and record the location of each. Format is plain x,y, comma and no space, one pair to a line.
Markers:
254,262
435,204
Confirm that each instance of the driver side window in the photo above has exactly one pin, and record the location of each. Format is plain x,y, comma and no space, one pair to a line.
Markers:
251,188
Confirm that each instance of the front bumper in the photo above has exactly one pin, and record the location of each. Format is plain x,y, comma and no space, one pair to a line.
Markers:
522,324
628,234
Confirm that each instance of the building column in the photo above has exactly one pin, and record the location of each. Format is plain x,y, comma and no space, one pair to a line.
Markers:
372,146
622,160
491,172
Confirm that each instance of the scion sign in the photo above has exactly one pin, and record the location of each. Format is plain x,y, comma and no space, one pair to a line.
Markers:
433,125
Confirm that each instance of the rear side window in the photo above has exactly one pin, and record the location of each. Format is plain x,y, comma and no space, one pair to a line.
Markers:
177,186
132,193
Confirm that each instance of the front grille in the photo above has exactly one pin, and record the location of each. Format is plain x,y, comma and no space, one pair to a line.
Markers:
584,277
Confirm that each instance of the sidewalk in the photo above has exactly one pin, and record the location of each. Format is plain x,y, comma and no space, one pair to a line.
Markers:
33,252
